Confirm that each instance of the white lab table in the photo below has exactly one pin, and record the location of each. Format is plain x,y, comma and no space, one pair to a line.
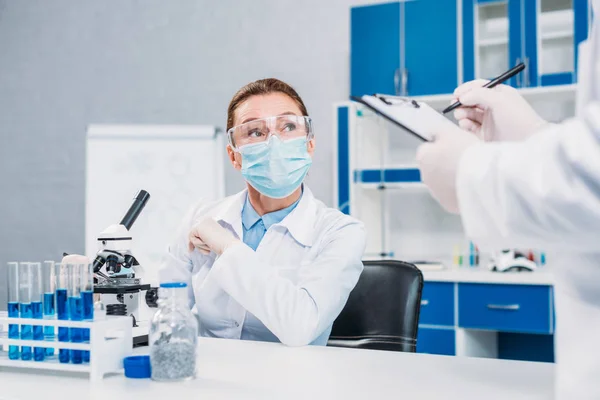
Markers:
230,369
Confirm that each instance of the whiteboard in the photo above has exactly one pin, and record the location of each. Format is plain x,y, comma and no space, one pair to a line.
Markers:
177,165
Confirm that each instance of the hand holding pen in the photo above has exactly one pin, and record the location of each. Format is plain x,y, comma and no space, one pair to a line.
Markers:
495,112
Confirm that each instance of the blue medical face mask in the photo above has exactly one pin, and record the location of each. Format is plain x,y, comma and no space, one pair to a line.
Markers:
276,168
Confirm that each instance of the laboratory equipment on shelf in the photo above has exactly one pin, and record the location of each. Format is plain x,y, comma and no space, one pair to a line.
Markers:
115,268
173,335
511,261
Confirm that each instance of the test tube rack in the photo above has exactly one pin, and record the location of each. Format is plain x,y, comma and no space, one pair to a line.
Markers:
110,342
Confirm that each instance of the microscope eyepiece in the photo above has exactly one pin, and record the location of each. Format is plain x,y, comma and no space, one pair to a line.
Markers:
139,202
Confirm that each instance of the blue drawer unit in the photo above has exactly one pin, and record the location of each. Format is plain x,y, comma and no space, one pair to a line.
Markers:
507,308
436,341
437,304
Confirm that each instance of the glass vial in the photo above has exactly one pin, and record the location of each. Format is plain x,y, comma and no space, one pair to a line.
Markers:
13,307
37,309
25,308
62,307
49,288
75,309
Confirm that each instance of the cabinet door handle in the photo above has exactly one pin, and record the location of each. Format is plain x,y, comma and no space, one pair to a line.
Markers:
518,77
404,82
424,303
397,82
509,307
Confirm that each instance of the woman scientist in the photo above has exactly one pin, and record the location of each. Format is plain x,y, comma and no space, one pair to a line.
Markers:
271,263
536,186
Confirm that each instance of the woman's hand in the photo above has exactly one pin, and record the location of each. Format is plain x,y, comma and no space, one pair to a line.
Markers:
208,235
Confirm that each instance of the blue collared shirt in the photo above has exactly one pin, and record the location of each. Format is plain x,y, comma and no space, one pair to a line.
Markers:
254,228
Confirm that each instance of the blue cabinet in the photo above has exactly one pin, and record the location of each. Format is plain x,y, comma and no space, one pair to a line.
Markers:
431,59
436,341
404,48
506,308
436,320
375,48
437,304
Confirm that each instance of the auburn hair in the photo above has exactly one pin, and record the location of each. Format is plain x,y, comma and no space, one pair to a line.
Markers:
262,87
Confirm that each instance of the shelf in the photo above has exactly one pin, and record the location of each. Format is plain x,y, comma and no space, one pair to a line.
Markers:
496,41
566,34
531,93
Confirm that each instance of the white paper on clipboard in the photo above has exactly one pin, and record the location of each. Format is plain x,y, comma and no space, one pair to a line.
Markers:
415,116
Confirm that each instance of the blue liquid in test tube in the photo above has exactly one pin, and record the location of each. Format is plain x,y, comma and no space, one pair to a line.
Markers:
37,308
62,312
25,308
13,330
49,313
48,287
76,314
13,308
76,272
26,331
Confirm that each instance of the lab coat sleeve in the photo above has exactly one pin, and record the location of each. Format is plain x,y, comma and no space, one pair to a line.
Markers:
297,313
178,265
542,193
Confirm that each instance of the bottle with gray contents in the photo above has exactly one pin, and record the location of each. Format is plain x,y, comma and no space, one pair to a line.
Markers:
173,335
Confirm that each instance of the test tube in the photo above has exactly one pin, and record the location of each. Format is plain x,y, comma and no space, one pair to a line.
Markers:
75,309
13,307
49,286
25,307
87,296
37,309
62,307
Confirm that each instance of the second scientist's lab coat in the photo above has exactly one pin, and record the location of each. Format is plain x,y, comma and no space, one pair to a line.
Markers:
544,193
296,282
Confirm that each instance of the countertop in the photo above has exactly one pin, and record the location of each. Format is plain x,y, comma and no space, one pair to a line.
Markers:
233,369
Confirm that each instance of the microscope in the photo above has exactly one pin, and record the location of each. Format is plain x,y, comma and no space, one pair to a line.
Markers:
115,269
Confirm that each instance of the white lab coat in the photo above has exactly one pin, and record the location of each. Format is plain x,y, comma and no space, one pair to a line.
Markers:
296,283
545,193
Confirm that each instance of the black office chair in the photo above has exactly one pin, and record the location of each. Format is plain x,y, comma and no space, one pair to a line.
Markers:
382,311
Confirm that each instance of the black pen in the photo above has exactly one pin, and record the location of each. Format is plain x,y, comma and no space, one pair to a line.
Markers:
496,81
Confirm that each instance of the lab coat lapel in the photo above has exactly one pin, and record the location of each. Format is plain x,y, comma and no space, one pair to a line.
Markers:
301,221
230,213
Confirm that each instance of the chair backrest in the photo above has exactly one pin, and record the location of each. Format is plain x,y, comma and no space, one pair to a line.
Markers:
382,311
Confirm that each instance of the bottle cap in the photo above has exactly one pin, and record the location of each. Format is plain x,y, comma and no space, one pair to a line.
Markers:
137,367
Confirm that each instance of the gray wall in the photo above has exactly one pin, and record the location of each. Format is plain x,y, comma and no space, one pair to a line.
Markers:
67,63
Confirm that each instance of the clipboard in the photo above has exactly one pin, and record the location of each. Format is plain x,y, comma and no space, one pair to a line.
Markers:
415,117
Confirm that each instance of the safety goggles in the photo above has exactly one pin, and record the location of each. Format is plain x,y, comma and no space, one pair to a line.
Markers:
286,127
